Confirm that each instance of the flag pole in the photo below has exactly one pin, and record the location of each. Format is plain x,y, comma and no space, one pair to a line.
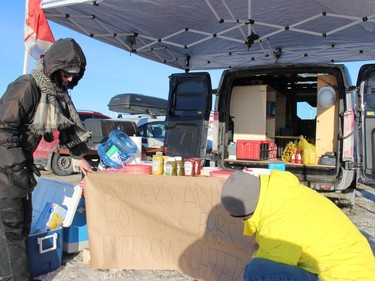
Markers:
26,59
38,36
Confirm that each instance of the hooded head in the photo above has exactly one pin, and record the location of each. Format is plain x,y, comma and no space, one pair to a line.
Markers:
67,55
240,194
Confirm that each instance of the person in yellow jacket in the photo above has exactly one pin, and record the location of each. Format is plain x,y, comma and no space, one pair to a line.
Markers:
301,234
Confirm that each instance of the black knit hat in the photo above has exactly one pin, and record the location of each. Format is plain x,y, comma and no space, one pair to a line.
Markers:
240,194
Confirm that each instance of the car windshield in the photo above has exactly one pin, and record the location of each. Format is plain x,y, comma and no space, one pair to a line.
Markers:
152,129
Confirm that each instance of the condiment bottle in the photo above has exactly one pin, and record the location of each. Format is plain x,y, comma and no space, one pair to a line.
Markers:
189,168
179,166
170,167
157,164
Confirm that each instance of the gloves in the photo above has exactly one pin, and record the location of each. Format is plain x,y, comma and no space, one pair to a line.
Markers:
79,150
22,176
34,169
48,137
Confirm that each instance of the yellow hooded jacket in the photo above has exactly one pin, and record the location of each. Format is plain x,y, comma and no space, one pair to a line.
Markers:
297,226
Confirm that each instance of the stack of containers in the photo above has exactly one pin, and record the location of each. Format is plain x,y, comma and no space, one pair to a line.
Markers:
44,249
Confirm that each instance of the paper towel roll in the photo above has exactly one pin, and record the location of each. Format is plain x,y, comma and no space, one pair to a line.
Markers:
137,157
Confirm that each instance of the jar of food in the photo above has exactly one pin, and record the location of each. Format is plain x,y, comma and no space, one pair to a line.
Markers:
170,167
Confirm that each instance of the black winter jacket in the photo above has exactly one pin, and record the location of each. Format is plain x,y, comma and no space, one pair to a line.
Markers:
17,108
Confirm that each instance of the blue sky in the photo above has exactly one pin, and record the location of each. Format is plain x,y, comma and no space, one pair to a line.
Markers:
110,71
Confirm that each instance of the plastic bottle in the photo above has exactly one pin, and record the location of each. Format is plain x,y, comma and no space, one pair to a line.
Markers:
197,166
189,167
293,159
298,157
165,160
157,164
179,166
170,167
116,150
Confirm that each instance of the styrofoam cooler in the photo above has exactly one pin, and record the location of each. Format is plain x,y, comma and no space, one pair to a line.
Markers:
44,250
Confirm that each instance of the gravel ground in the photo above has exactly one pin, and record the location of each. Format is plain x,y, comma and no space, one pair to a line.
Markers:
73,267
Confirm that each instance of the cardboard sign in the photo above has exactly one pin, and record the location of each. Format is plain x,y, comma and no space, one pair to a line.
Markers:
164,223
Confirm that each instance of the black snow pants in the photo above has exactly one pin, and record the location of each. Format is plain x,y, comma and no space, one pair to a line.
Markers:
15,223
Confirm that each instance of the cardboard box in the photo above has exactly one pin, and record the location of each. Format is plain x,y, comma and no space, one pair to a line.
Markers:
272,150
44,250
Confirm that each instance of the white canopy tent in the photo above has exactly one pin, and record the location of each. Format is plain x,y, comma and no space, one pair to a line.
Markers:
219,34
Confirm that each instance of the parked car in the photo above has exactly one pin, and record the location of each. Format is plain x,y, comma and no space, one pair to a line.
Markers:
50,156
148,112
151,129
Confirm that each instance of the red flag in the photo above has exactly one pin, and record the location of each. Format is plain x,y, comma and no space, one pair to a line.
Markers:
38,35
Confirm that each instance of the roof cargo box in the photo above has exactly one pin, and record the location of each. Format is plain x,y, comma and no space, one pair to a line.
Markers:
137,104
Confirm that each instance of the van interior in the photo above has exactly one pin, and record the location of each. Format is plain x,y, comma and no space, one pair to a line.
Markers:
280,108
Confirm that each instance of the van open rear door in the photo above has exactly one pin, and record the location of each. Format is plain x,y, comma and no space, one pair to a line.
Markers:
366,84
188,112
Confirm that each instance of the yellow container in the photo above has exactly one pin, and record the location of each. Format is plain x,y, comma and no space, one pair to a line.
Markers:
157,164
170,167
165,160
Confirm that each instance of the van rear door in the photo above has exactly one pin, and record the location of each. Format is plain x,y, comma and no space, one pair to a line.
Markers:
188,112
366,84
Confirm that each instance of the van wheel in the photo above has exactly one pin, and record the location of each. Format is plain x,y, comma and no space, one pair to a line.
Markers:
349,200
62,165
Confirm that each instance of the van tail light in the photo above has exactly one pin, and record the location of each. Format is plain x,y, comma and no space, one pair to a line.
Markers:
325,186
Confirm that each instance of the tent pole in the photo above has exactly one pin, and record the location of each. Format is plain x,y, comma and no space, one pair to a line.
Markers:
249,16
26,58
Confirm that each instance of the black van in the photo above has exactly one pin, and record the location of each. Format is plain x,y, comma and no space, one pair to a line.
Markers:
277,105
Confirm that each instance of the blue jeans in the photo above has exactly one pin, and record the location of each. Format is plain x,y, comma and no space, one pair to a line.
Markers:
259,269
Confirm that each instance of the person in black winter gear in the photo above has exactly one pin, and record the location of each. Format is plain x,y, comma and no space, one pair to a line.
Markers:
31,108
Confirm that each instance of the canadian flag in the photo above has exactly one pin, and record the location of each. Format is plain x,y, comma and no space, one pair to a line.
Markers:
38,35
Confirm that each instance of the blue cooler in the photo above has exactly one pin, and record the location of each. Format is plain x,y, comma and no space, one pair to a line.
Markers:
76,235
44,250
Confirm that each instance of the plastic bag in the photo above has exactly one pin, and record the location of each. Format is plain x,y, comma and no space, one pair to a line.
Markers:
308,151
288,151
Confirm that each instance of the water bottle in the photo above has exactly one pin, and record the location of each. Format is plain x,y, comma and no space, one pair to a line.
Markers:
116,150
